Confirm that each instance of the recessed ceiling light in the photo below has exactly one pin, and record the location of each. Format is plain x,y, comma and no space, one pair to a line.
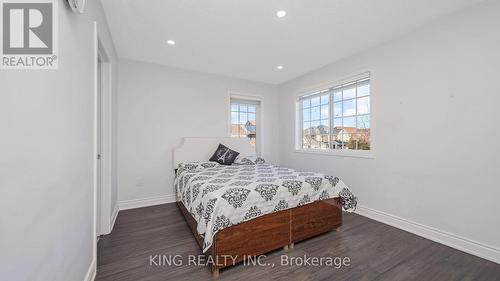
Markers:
171,42
280,67
280,13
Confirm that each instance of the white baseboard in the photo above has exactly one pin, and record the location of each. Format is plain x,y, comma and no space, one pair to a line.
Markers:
455,241
113,217
145,202
90,276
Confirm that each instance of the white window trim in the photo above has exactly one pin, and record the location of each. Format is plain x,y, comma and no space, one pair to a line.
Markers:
370,154
259,116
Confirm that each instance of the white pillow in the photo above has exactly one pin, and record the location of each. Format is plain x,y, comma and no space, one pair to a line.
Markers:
249,160
188,166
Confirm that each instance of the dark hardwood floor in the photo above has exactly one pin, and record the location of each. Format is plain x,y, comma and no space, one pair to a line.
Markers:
376,252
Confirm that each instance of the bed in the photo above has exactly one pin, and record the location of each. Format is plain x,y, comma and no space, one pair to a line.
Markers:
241,211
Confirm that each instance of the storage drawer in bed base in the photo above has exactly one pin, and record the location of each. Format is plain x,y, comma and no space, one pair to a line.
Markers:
269,232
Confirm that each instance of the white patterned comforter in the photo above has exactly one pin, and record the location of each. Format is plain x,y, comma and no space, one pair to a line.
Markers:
220,196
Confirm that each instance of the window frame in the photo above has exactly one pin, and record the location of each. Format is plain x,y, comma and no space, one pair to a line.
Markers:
328,87
258,116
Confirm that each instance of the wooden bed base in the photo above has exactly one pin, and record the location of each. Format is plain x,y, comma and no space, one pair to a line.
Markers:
269,232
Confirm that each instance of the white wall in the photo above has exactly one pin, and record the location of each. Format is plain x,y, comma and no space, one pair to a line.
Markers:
436,103
46,163
158,105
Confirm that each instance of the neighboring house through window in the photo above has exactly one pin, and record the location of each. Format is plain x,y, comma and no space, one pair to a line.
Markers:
336,118
244,119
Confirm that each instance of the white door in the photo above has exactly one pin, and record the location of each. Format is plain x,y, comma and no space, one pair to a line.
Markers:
99,147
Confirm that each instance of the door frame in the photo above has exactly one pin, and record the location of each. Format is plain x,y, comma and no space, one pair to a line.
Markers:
107,213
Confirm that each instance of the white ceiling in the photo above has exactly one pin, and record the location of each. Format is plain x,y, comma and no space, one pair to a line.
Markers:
245,39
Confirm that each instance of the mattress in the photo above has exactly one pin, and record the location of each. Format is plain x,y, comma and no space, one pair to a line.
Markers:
219,196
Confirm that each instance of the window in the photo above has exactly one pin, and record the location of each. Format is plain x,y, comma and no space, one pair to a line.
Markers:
244,115
337,118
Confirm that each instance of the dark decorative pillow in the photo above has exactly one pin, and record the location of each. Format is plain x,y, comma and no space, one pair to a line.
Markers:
224,156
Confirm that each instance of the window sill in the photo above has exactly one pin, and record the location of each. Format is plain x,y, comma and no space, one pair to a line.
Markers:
345,153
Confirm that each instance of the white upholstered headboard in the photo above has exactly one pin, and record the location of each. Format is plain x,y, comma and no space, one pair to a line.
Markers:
201,149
